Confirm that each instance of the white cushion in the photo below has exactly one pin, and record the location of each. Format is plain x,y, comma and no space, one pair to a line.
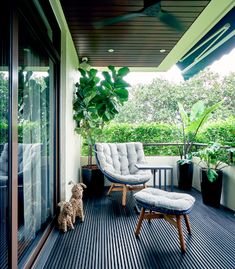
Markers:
157,198
119,160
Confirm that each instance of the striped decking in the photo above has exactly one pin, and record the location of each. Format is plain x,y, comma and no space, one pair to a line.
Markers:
106,239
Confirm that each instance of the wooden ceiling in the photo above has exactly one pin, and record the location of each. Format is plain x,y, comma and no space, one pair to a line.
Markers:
137,42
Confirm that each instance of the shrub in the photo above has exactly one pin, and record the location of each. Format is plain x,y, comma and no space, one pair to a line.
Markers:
145,133
222,132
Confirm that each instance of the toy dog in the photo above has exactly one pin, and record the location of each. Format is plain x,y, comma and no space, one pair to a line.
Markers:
65,216
76,200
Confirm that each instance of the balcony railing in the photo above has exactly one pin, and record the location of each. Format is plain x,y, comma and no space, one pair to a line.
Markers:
196,145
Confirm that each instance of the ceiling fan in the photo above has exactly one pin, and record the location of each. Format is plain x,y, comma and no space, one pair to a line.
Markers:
152,8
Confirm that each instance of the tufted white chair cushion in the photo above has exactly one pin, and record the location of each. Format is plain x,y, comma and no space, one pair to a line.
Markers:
119,160
159,199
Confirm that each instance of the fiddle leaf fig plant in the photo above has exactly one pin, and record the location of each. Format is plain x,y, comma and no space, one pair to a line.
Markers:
97,101
190,124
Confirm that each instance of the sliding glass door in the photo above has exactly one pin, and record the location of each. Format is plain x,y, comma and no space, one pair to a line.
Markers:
29,69
35,139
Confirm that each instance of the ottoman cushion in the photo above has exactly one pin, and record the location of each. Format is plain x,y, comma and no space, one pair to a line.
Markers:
164,201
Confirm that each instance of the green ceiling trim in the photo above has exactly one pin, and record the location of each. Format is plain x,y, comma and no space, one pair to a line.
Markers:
213,12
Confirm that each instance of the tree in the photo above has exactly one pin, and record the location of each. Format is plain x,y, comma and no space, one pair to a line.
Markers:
157,101
96,101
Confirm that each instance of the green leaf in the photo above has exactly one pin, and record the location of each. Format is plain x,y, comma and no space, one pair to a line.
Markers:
96,80
92,109
122,94
199,122
114,74
82,71
211,175
112,68
93,72
106,84
183,114
197,110
123,71
107,76
111,105
101,108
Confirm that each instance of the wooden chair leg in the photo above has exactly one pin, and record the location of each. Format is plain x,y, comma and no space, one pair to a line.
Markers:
110,189
180,231
186,218
124,192
141,217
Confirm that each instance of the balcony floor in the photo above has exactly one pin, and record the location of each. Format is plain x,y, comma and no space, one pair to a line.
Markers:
106,239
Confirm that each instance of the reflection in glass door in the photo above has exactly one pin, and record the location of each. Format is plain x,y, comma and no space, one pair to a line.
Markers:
4,139
35,140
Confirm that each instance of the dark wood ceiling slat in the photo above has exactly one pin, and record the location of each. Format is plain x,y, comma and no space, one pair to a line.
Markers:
144,30
74,3
125,40
102,15
75,22
136,42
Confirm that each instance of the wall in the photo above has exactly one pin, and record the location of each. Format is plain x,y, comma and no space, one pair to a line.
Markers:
228,197
69,140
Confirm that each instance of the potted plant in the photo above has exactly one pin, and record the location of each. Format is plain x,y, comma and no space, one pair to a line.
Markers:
96,103
212,161
189,125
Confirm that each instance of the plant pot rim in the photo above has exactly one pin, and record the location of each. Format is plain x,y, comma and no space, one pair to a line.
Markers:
91,167
206,169
188,161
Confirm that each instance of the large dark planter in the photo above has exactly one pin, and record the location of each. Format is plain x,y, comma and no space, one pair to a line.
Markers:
185,176
94,180
211,191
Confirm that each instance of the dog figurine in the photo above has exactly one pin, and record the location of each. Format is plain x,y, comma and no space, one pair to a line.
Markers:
76,200
65,216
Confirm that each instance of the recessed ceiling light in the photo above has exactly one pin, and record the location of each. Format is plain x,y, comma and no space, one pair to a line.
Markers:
110,50
162,50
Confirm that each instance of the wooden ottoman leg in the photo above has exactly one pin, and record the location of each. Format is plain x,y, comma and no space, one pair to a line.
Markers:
181,236
186,218
141,217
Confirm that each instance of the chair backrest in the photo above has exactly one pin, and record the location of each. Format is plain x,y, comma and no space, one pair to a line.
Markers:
119,158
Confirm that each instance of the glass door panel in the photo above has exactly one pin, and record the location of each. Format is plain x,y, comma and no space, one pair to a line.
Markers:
35,140
4,105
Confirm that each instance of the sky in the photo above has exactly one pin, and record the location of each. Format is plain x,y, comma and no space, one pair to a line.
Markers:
222,66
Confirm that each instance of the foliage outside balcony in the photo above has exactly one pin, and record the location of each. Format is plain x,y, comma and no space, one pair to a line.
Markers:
149,116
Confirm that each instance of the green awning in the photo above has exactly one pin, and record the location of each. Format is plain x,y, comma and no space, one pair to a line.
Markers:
218,41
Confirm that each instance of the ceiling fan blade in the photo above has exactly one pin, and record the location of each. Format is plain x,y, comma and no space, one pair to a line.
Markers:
170,20
114,20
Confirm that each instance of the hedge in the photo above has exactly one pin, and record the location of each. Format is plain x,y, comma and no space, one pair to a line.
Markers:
222,132
145,133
